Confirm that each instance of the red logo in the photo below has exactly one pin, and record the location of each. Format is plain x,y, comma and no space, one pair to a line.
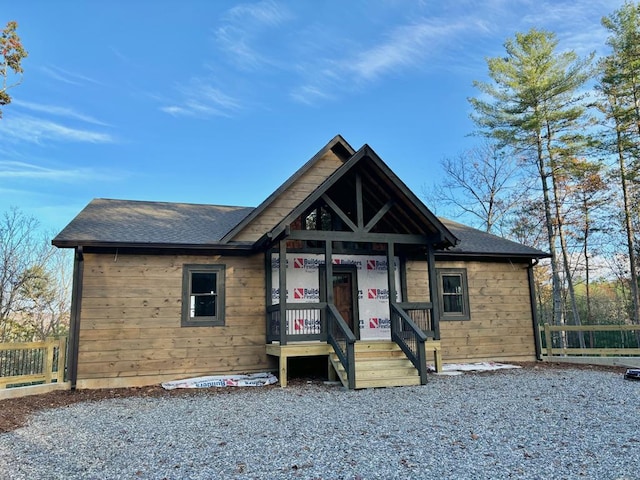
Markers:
336,261
374,323
298,293
372,293
371,264
298,263
298,324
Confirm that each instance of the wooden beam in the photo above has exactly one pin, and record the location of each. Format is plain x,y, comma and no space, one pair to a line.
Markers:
433,293
282,285
400,238
340,213
359,200
376,218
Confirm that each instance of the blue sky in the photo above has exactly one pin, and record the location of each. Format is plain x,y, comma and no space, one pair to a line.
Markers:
219,102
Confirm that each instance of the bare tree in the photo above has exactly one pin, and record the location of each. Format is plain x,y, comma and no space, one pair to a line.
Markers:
24,256
482,183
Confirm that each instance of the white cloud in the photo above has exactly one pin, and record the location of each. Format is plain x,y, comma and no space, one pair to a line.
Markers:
10,169
66,76
238,37
264,13
58,111
406,46
202,99
36,130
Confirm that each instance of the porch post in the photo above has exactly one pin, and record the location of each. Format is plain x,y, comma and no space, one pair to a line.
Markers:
282,284
433,292
328,285
391,275
328,265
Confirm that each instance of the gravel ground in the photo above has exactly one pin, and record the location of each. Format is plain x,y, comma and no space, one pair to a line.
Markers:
525,424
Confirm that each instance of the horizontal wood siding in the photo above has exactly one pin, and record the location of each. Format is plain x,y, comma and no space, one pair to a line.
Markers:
130,331
500,327
290,198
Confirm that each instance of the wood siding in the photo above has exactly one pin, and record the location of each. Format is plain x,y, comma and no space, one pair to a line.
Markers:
500,327
130,331
290,198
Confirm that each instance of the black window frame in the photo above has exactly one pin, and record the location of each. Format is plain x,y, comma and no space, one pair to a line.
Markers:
216,320
462,274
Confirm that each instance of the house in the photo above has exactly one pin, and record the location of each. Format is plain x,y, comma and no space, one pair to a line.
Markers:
342,261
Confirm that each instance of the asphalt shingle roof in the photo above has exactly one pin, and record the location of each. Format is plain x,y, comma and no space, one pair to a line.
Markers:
105,221
477,242
127,221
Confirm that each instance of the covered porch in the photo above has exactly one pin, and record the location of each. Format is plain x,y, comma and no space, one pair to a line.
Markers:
337,283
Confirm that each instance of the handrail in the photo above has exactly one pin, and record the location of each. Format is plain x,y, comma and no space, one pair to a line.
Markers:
410,338
346,355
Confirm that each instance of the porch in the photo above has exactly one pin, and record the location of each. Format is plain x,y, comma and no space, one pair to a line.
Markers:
398,361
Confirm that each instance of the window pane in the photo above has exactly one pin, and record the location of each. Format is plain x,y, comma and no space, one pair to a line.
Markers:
452,284
203,306
203,283
452,303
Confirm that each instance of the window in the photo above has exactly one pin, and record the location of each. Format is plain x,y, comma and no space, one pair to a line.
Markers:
454,295
203,295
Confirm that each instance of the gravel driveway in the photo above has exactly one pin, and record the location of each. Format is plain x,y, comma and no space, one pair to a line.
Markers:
531,424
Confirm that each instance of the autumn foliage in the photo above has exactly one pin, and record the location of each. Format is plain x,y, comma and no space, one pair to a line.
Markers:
12,54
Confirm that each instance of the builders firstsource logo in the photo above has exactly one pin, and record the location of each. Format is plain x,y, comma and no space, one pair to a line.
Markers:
377,265
306,293
377,322
307,263
306,324
377,293
275,293
275,263
348,261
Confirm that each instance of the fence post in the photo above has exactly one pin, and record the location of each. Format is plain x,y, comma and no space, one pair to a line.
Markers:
548,339
50,342
62,358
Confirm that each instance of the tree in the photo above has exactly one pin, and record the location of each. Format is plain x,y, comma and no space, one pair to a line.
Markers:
33,281
482,183
532,106
11,55
620,86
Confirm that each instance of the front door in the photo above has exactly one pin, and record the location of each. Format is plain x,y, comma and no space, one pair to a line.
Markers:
345,296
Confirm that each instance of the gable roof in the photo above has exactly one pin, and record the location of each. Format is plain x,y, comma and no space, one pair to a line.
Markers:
366,154
337,145
105,222
139,224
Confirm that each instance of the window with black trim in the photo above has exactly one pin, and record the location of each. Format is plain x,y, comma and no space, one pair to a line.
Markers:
453,293
203,295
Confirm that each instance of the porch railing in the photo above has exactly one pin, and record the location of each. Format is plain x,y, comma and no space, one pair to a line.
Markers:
32,362
420,313
410,338
303,322
610,340
342,339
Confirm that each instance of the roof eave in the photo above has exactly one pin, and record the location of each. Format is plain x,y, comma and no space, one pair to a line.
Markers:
239,246
485,255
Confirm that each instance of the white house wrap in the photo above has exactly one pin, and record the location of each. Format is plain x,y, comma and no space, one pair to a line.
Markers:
303,286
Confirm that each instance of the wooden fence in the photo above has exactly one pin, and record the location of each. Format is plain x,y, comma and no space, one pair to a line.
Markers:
620,350
32,362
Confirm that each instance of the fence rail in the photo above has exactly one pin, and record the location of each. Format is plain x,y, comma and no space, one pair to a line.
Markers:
32,362
618,350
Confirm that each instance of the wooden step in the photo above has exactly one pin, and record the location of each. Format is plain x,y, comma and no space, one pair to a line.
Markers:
378,364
